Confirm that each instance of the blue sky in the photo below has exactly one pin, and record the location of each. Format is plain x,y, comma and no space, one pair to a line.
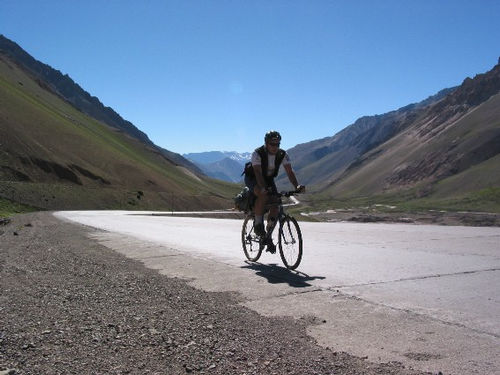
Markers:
206,75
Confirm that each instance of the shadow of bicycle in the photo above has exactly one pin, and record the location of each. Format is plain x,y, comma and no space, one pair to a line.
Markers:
276,275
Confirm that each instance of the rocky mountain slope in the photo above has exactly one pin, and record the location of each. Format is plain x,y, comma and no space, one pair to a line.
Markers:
54,156
445,147
321,160
63,86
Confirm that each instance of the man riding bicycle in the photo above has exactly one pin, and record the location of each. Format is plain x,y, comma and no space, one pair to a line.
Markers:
259,178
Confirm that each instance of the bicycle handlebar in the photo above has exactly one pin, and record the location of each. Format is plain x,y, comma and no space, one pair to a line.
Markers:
281,194
287,193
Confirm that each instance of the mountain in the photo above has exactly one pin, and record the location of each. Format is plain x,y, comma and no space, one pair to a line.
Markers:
61,149
226,169
223,165
443,151
63,86
321,160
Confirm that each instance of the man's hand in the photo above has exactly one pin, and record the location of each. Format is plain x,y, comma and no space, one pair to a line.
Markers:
300,189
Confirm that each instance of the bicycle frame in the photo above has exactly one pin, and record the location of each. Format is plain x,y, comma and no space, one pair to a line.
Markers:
279,203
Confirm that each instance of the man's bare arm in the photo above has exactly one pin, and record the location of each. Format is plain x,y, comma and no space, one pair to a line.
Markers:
291,175
261,184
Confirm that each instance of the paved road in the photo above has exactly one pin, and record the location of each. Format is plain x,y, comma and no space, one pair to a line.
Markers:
427,296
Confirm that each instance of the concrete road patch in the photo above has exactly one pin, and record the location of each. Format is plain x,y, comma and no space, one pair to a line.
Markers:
341,319
426,296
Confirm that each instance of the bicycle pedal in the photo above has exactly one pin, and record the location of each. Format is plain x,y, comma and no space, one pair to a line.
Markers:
262,243
271,248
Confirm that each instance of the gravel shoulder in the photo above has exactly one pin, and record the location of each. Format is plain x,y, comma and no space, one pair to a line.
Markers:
70,305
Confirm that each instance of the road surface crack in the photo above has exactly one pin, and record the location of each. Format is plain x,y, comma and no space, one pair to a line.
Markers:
415,278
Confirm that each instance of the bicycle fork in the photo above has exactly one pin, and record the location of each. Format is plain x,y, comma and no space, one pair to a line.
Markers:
287,234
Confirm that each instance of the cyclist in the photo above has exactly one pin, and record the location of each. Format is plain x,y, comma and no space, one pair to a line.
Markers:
260,174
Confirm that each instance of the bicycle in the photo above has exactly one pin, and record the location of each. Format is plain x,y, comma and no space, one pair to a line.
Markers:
289,235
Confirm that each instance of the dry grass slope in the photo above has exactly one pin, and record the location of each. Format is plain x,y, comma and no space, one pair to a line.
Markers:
53,156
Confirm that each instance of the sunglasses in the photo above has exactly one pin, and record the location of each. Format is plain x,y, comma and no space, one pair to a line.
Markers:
274,144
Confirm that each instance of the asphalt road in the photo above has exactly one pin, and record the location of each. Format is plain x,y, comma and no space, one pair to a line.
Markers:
426,296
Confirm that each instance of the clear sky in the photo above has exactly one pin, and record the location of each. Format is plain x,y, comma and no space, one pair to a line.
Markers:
202,75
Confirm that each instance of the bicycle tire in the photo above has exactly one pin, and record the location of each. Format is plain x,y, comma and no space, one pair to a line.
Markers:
249,241
290,242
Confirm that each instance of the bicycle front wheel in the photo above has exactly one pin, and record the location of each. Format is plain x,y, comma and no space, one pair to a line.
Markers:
290,243
250,241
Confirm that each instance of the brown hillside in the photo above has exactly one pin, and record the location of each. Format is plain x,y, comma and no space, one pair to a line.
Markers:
54,156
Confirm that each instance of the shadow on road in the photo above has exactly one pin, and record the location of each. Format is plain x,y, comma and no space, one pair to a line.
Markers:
276,274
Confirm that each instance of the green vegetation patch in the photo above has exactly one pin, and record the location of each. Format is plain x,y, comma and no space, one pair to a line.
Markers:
9,208
412,200
485,200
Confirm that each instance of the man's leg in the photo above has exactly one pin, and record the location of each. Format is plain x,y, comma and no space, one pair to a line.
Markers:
271,217
274,210
260,205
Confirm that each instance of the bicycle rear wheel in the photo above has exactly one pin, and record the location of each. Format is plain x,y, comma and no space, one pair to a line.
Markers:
290,242
250,241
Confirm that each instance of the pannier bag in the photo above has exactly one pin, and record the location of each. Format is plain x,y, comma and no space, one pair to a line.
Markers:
244,200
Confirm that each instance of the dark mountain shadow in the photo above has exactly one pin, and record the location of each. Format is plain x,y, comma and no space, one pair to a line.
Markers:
276,274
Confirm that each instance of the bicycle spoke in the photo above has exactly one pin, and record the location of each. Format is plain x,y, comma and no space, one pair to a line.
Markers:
289,237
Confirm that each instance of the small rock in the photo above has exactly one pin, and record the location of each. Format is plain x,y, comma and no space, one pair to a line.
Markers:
191,343
10,371
16,234
154,331
4,221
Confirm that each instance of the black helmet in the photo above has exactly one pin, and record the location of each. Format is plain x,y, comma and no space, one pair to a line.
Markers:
272,134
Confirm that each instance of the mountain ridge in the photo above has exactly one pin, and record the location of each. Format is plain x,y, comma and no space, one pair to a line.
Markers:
226,169
425,152
344,147
67,89
224,165
54,156
445,147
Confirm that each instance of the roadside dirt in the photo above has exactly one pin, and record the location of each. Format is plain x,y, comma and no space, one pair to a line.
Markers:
478,219
71,306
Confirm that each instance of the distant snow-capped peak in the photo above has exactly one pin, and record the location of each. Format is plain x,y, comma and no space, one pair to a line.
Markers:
240,157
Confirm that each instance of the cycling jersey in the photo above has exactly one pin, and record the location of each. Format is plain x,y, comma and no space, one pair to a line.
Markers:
270,169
